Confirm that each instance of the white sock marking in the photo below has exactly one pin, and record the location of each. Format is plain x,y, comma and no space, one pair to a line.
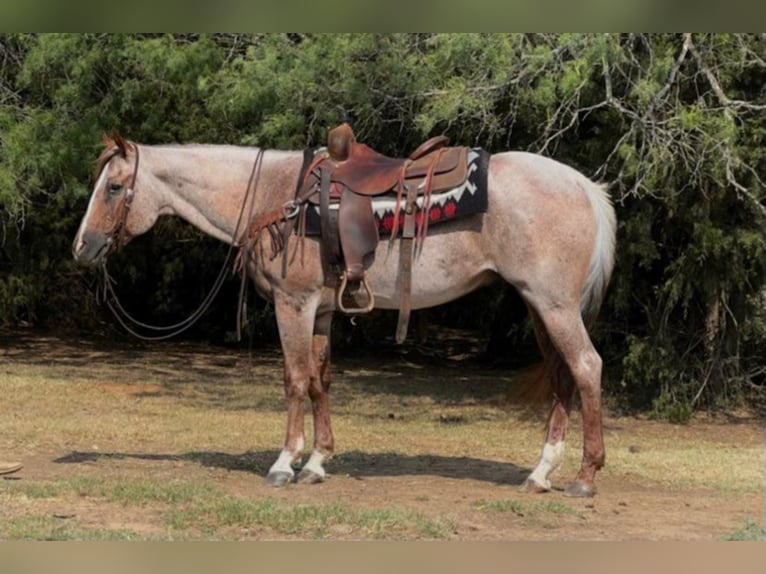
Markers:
553,455
285,460
315,464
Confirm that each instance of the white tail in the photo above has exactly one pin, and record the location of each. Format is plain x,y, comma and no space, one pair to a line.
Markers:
602,258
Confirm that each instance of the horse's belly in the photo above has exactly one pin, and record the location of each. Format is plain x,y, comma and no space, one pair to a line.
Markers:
448,267
430,294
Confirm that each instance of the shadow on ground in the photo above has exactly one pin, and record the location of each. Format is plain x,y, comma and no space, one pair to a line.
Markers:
355,464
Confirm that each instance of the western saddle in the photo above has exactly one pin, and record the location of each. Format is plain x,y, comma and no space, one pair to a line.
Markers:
347,175
352,173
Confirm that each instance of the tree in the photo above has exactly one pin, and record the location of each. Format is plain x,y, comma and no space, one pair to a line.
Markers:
674,123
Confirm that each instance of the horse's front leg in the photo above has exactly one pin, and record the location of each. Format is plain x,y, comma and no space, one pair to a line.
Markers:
319,388
296,325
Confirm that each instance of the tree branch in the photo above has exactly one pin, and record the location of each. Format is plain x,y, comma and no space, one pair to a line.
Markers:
723,99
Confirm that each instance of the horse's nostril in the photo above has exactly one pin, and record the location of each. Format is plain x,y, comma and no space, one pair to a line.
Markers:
78,247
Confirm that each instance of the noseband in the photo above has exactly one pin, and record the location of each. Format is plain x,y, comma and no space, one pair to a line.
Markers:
118,235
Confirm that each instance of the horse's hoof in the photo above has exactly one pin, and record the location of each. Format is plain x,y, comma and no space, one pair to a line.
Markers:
310,477
579,489
533,487
279,478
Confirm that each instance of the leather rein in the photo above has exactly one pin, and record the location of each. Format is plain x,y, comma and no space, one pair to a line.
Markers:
118,236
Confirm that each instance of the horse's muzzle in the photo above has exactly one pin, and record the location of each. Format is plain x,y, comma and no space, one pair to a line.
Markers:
89,249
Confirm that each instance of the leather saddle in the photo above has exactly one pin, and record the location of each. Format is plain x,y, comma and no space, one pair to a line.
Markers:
350,174
364,171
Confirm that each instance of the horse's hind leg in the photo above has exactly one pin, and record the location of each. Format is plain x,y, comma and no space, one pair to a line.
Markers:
565,328
560,381
319,389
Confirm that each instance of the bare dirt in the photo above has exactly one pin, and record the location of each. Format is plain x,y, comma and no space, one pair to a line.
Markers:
457,488
621,511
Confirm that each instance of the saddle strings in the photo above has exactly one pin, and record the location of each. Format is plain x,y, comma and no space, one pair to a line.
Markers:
126,319
428,187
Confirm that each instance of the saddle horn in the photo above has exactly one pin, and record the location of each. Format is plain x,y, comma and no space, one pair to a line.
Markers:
339,142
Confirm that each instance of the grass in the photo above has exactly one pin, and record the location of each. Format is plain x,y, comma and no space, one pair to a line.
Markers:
53,508
189,507
49,528
123,490
749,532
682,462
316,521
532,509
546,514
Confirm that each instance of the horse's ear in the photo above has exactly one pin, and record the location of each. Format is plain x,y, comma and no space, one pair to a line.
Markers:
119,141
107,141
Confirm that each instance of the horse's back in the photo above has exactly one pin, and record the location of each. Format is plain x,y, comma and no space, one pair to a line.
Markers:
541,173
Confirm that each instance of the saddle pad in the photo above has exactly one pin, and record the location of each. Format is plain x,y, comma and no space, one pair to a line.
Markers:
466,199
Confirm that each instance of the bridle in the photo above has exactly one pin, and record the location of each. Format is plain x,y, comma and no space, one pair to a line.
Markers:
117,238
118,235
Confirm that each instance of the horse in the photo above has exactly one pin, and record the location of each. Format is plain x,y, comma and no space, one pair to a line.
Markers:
549,231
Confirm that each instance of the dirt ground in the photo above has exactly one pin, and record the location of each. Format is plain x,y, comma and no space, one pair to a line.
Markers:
621,510
476,494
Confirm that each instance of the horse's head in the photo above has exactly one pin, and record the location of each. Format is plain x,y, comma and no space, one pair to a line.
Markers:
117,210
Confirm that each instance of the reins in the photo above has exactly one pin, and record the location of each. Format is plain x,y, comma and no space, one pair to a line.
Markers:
109,296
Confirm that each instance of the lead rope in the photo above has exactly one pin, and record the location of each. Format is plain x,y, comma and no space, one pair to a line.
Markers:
125,318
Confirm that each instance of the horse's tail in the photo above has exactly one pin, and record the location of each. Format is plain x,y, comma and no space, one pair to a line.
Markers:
536,384
602,257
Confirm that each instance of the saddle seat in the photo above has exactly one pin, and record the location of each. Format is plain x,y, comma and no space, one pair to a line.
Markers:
364,171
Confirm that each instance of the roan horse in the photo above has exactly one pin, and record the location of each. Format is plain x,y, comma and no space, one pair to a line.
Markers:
549,231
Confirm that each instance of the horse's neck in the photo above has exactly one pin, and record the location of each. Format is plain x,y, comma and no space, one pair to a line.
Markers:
208,185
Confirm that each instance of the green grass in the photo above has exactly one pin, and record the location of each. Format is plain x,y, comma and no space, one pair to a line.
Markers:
545,514
750,531
123,490
189,507
554,507
505,506
532,509
44,527
314,520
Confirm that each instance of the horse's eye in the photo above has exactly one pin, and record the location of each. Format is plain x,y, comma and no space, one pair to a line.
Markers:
114,188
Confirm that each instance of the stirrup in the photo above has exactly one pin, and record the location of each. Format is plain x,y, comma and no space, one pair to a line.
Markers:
354,310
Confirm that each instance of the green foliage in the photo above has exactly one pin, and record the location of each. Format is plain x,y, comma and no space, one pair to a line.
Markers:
749,532
674,123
